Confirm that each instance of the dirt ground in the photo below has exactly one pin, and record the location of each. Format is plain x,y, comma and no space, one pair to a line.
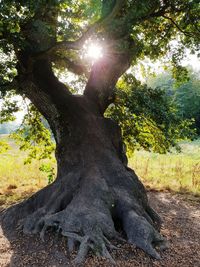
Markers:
181,227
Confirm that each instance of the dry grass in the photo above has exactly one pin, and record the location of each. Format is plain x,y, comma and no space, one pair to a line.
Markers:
178,172
174,172
17,181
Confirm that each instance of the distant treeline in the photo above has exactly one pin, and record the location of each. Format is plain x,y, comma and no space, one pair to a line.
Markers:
185,95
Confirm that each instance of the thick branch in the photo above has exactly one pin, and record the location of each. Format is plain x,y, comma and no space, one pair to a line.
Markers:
46,80
41,74
65,45
75,67
25,86
103,78
51,97
42,101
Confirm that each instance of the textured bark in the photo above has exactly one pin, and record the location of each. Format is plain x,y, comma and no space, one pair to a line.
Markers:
104,76
95,194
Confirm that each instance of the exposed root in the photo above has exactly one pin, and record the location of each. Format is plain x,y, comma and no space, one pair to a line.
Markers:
92,230
84,216
83,250
95,241
19,212
109,244
97,245
157,221
142,234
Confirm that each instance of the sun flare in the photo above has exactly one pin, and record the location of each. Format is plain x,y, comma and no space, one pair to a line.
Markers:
93,51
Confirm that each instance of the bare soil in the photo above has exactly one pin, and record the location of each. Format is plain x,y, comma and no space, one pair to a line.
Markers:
181,227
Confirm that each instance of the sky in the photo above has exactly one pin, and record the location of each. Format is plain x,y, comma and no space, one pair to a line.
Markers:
149,67
192,60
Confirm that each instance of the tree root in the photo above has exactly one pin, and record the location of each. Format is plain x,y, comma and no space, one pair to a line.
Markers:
97,244
92,238
92,231
84,217
143,235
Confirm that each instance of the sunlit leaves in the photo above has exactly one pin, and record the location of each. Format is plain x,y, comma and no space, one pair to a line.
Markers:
9,107
7,65
75,16
147,117
185,95
34,137
180,74
49,170
3,146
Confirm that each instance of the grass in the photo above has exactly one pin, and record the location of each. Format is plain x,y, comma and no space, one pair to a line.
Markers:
179,172
17,181
174,172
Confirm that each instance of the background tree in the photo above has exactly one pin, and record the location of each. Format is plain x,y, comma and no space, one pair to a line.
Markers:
94,187
185,96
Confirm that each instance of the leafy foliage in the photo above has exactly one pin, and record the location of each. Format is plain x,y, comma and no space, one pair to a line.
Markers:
186,96
3,146
49,170
34,136
147,117
8,108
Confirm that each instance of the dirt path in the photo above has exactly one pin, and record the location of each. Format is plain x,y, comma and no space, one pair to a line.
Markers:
181,227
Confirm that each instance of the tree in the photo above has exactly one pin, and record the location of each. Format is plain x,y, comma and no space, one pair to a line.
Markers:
186,95
94,188
149,117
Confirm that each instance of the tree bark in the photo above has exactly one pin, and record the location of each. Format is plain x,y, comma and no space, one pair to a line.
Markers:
94,192
104,75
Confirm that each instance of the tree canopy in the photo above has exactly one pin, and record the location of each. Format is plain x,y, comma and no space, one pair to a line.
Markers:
59,31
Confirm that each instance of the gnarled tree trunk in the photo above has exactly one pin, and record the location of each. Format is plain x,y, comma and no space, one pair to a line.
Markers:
94,190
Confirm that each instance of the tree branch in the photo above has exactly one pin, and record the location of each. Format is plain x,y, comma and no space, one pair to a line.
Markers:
78,44
39,72
66,45
75,67
42,101
103,78
190,34
45,79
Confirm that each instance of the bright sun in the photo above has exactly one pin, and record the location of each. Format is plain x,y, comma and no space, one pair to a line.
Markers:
93,51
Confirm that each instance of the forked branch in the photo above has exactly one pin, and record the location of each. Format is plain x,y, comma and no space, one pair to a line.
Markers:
101,23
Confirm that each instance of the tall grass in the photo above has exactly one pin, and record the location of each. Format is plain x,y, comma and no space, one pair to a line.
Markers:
177,172
18,180
173,171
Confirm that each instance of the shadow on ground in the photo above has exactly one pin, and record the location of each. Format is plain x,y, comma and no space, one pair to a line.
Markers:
181,227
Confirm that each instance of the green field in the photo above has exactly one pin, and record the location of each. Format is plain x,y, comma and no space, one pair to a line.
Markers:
178,172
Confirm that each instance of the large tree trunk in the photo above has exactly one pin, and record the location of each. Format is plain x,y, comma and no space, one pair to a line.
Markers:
95,194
